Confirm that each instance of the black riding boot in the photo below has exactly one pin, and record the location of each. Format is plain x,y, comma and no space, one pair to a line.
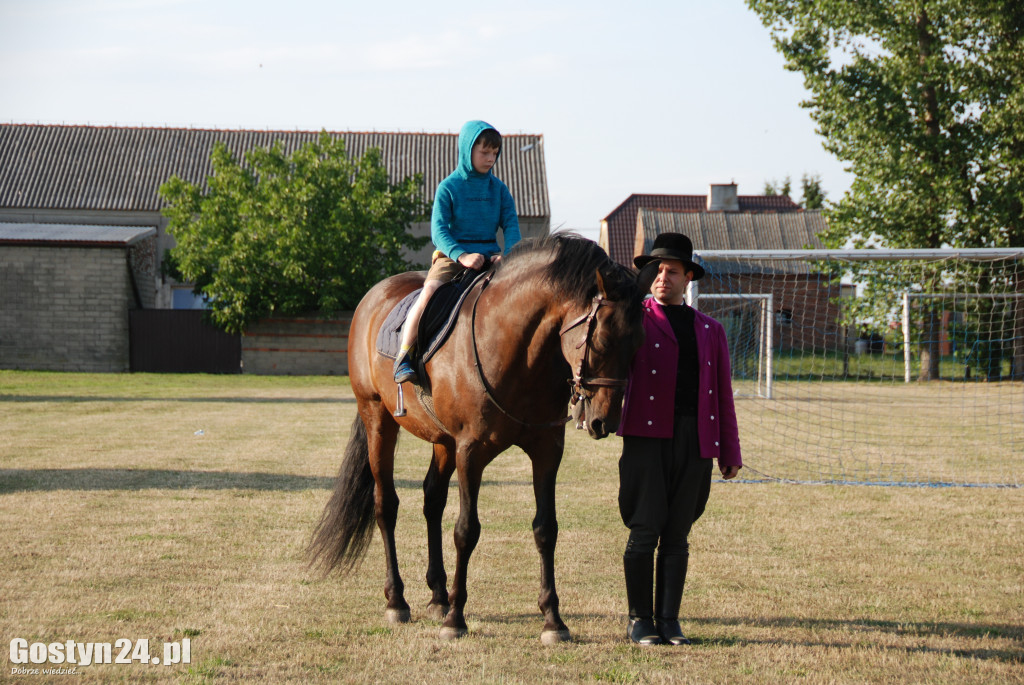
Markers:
671,577
639,581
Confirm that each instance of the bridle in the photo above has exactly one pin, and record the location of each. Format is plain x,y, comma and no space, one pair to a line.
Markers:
579,382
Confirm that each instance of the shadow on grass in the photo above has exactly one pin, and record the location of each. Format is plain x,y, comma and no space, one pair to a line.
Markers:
867,627
212,399
41,480
28,480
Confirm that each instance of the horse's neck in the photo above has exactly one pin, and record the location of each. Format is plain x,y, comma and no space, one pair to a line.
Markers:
521,320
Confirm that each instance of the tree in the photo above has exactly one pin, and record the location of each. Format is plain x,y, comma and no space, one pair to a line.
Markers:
773,187
812,194
924,102
290,234
810,186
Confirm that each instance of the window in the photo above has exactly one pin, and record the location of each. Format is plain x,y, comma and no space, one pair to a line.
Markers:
184,298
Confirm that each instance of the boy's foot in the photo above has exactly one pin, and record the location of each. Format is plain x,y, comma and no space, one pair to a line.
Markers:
404,371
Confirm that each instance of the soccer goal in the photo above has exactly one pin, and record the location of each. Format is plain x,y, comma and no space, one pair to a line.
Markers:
874,366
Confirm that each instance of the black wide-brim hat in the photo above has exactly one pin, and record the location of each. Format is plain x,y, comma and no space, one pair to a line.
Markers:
671,246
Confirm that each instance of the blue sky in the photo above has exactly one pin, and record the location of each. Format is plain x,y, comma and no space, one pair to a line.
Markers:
645,97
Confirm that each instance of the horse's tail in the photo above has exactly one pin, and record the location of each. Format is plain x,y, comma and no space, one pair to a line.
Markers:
344,530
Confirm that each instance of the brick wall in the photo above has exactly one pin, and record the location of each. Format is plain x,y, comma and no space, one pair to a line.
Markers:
806,312
297,346
64,309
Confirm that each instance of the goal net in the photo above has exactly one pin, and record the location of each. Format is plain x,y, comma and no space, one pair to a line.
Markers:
874,366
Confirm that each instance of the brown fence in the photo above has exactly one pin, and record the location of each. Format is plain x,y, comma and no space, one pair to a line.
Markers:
179,341
297,346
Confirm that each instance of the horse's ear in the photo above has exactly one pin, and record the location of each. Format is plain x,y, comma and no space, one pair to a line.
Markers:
645,279
600,285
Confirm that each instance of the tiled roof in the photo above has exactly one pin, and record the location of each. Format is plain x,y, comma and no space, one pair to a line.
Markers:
621,222
98,168
736,231
67,234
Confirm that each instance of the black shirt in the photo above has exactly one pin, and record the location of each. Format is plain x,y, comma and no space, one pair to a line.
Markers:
680,317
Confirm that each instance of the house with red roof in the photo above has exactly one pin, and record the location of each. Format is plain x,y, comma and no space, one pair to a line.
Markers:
619,228
805,307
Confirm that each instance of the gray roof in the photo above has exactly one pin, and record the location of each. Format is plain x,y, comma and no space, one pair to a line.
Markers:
621,222
738,231
73,234
114,168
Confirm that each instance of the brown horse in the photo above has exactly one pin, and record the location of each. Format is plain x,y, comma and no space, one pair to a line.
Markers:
553,307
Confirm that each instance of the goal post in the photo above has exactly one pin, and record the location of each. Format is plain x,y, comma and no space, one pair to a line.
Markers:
761,351
881,366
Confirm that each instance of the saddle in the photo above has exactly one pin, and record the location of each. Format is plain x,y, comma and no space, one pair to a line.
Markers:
436,324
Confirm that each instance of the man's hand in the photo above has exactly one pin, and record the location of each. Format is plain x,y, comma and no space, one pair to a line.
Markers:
472,260
729,472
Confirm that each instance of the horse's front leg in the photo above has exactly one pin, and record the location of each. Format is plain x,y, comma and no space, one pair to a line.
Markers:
546,455
435,497
467,533
382,436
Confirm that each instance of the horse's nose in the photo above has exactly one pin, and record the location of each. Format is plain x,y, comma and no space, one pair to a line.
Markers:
597,429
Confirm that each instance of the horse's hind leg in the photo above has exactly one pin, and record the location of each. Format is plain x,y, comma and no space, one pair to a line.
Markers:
382,435
435,497
546,455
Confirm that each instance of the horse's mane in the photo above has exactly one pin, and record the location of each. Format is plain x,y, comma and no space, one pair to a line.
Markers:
569,266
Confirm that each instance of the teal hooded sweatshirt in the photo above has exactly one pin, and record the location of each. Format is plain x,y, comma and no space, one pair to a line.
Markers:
470,207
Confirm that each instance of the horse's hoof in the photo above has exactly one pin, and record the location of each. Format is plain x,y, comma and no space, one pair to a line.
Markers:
448,633
555,637
397,615
437,612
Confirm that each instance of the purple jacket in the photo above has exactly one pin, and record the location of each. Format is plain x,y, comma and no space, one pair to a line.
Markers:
650,395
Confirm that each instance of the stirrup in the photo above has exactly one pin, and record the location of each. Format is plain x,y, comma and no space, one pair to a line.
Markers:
400,409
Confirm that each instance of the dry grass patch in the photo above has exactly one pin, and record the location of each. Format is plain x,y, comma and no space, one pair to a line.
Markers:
121,522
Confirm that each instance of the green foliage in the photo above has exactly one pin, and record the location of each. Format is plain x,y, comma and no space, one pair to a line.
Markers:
774,187
924,101
813,195
282,234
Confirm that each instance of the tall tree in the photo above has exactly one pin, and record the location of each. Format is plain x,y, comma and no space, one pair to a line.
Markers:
922,99
283,234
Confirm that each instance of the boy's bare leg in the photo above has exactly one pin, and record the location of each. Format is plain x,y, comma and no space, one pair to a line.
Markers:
403,369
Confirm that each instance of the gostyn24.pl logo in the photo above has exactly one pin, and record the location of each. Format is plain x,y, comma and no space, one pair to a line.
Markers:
71,653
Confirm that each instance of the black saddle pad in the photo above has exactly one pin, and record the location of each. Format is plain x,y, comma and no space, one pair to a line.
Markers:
437,321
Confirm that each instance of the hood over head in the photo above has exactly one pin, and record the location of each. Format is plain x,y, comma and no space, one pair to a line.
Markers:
471,130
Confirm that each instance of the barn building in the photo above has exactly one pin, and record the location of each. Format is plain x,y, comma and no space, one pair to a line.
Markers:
82,237
805,306
619,229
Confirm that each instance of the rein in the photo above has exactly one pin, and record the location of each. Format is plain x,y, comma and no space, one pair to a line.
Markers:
578,382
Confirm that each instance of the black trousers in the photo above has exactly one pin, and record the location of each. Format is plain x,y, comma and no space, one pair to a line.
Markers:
663,489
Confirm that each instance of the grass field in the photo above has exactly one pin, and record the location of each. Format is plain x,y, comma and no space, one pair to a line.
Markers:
934,432
177,507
